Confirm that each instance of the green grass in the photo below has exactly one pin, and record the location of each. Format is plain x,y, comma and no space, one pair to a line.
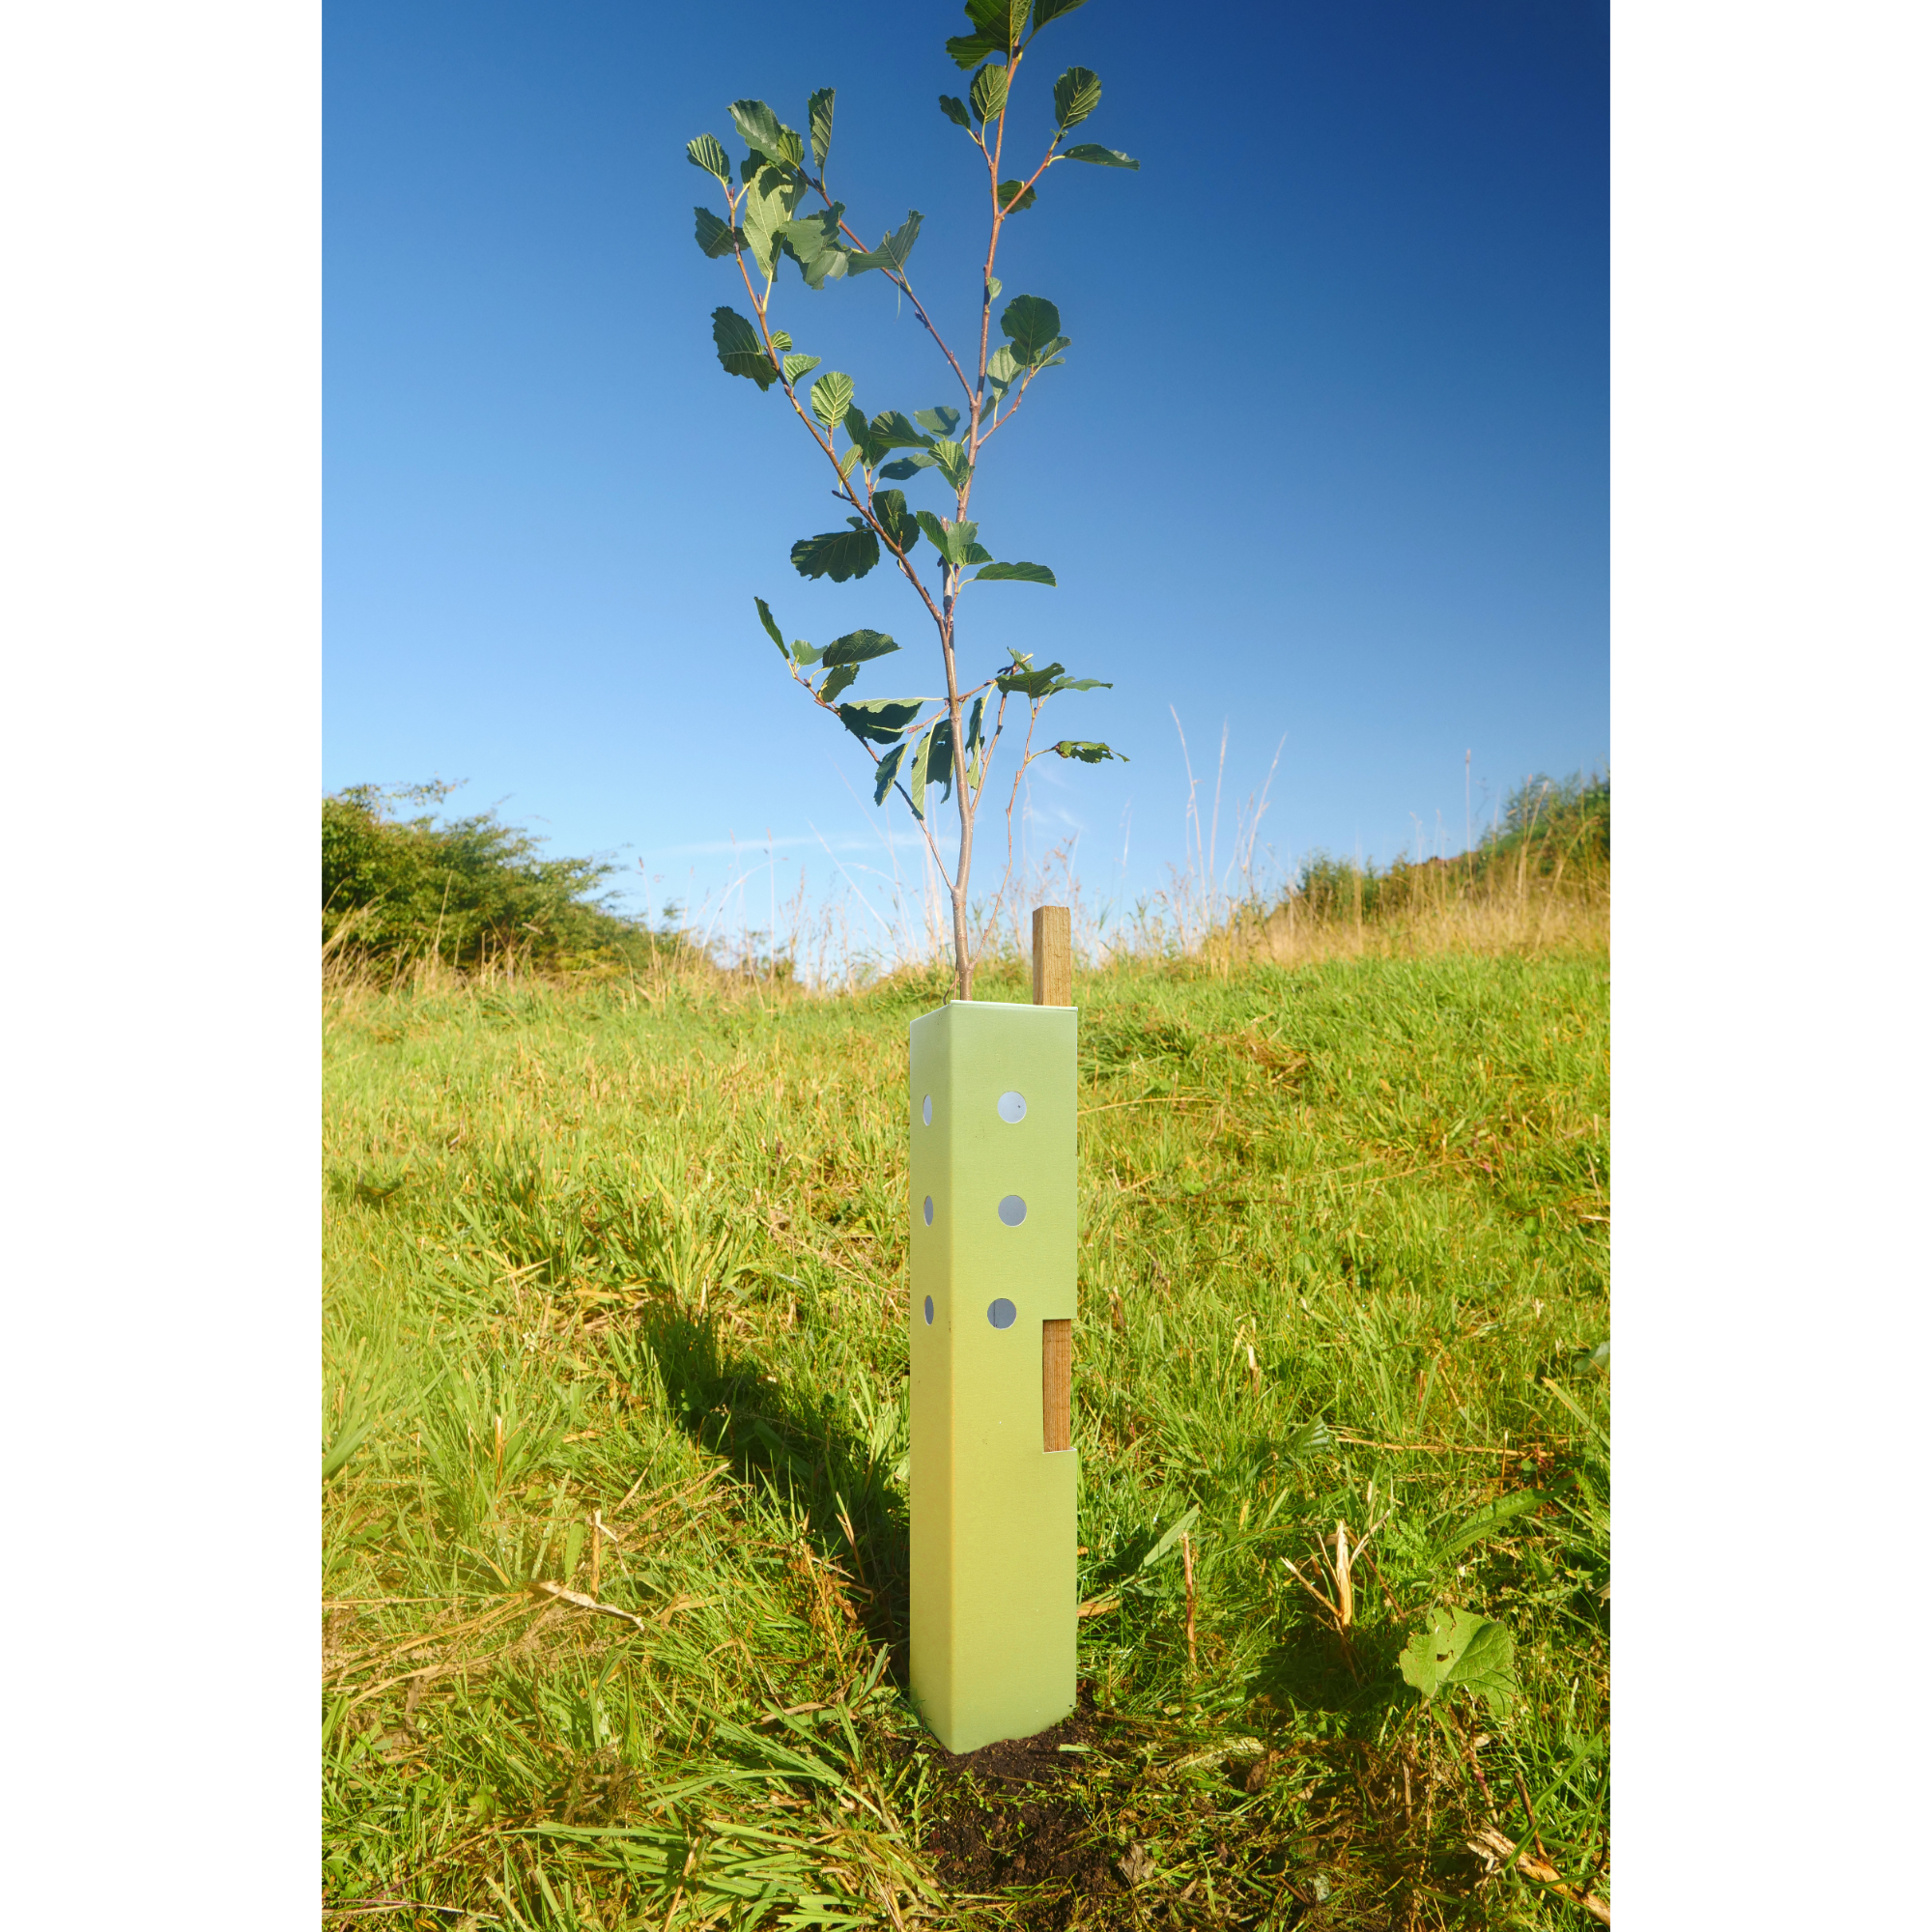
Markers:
594,1251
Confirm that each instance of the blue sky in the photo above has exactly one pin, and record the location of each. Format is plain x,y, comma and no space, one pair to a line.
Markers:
1328,460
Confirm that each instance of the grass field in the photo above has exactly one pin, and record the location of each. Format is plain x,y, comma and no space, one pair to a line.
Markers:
614,1305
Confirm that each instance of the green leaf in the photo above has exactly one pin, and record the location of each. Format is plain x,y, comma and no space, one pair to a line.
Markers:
818,118
771,630
954,541
1045,11
1101,158
765,133
989,92
346,1441
1087,752
1015,196
891,253
882,780
1031,323
1459,1650
707,152
812,242
846,461
1488,1519
857,647
1176,1531
1075,96
880,719
715,236
993,287
739,350
799,365
954,110
931,764
836,553
968,50
804,653
949,458
888,506
1021,676
938,419
766,209
890,429
831,398
839,679
1016,573
861,433
907,467
1003,367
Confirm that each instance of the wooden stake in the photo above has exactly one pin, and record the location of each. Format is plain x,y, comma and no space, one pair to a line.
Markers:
1056,1385
1052,956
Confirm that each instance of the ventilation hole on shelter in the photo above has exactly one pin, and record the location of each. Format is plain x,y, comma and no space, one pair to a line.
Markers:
929,1311
1002,1314
1012,1108
926,1110
929,1211
1012,1211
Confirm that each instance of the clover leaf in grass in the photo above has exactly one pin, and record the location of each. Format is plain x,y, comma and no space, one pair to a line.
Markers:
1460,1650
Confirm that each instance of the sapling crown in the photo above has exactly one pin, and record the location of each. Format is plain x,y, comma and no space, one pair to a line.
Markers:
779,208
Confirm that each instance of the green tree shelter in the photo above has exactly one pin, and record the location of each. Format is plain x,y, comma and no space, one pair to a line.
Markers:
778,207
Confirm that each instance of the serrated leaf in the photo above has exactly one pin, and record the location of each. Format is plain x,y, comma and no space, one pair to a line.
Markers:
1014,196
818,118
715,236
839,680
954,110
951,460
1021,676
831,398
882,779
891,253
740,352
1488,1519
989,92
765,133
857,647
804,653
799,365
1003,367
880,719
954,541
993,287
836,553
888,506
1016,573
846,461
1031,323
1045,11
707,152
812,242
1088,751
893,429
765,210
1075,96
938,419
907,467
1100,158
861,433
968,50
1462,1651
931,764
771,630
780,341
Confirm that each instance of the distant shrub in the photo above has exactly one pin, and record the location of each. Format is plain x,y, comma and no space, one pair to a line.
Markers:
468,893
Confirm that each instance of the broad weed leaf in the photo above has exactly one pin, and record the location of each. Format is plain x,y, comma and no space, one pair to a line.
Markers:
1459,1650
